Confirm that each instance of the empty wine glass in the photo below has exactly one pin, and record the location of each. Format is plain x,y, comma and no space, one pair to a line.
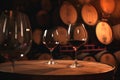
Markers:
15,35
50,42
77,38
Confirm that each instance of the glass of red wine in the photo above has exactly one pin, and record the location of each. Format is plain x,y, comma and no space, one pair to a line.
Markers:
77,38
50,42
15,35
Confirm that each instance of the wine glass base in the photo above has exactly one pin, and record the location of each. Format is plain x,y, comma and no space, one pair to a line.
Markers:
51,62
75,65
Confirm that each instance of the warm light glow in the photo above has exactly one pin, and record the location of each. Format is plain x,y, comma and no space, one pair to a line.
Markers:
4,26
15,30
78,31
69,29
21,55
21,29
45,33
57,32
27,29
83,39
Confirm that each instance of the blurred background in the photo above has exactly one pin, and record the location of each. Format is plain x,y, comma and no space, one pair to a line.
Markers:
45,14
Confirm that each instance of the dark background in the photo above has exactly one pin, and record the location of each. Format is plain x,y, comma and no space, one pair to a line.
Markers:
52,19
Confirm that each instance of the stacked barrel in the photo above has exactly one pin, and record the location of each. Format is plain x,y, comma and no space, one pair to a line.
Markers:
95,15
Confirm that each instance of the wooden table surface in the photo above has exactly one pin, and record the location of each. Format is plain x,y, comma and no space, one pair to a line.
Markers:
39,68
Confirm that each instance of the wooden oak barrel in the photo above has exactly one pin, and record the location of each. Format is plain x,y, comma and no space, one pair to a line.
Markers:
68,13
116,12
86,57
66,57
89,14
37,35
62,35
107,6
83,1
44,56
43,18
116,32
46,5
117,70
104,32
106,57
117,55
38,70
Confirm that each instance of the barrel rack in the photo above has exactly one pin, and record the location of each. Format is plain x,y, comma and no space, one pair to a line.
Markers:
87,48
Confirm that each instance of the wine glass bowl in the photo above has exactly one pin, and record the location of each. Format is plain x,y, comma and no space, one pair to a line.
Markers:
77,38
15,34
61,35
50,42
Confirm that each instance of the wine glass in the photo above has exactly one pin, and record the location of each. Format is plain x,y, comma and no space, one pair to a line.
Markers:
50,42
77,38
15,35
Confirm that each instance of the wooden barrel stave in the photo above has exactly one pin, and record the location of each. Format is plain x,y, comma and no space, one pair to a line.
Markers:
62,37
44,56
106,57
117,55
116,12
82,32
43,18
107,6
86,57
68,13
84,1
66,57
89,14
104,33
116,32
37,35
46,5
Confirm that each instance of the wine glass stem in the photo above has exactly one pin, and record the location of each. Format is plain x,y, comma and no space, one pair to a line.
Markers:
13,65
75,49
75,56
51,55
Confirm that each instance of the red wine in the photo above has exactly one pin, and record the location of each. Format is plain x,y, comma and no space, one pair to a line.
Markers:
51,44
76,43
